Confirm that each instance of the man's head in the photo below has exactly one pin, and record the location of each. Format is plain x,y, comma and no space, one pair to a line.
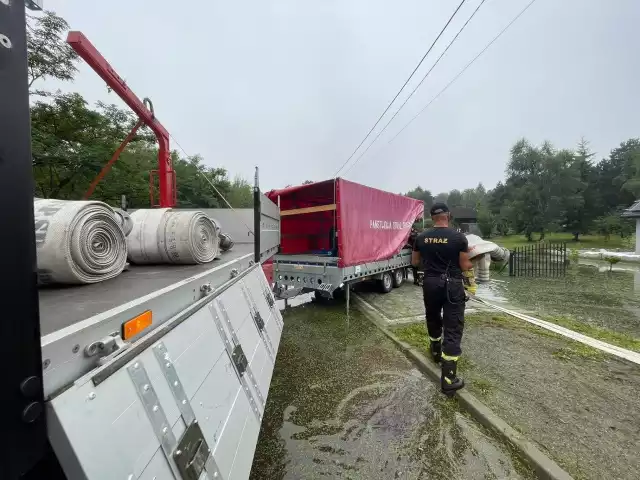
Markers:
440,214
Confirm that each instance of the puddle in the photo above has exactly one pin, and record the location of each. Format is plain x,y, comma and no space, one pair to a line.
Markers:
588,293
345,403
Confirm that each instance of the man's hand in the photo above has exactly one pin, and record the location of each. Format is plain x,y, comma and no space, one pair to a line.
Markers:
469,281
415,259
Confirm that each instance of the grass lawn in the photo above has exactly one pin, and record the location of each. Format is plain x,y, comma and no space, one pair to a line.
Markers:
586,241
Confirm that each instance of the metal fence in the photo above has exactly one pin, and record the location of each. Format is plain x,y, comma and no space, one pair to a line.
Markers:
539,260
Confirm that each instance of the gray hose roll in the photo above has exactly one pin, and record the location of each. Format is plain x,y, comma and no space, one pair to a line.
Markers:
217,225
226,242
165,235
124,220
77,242
500,254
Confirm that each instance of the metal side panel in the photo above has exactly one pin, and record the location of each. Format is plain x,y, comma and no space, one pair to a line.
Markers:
289,272
181,408
269,228
63,352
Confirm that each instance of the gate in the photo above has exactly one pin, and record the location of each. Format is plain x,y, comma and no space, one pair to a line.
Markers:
539,260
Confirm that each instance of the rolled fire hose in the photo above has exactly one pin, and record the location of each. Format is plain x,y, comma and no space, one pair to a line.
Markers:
124,220
217,225
226,242
77,242
481,253
165,235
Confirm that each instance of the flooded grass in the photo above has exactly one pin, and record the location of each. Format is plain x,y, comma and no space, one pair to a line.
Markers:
604,305
615,338
346,403
586,241
579,404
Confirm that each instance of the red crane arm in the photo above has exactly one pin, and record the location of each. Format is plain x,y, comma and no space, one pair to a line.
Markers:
165,172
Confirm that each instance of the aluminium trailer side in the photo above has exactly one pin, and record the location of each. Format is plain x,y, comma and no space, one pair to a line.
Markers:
309,273
184,399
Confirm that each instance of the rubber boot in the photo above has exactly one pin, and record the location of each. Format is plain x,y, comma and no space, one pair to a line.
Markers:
450,382
436,350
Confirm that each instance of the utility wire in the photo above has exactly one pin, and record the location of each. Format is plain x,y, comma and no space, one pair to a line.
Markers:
464,69
212,185
417,87
402,88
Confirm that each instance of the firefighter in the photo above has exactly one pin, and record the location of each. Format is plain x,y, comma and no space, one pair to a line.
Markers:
443,254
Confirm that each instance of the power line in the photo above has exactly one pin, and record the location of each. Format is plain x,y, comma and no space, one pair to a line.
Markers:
417,86
212,185
464,69
402,88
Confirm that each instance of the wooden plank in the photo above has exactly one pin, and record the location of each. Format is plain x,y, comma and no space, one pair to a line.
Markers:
300,211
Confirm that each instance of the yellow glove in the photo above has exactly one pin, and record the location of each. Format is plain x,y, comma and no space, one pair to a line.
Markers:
469,281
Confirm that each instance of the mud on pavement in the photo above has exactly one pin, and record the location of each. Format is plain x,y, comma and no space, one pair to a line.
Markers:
579,405
345,403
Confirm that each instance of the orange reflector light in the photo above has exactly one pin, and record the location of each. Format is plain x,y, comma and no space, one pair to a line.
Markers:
133,327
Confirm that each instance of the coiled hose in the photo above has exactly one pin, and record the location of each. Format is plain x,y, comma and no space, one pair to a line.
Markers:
124,220
164,235
77,242
226,242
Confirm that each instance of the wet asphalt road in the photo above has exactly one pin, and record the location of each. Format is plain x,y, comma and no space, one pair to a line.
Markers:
345,403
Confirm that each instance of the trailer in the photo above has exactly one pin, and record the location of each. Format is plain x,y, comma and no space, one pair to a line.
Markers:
336,233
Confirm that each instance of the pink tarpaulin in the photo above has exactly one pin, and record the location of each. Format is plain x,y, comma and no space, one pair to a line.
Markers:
371,224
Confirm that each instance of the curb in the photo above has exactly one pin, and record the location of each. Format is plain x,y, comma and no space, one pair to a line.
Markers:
544,466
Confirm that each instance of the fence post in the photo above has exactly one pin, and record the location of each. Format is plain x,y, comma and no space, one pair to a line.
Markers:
512,273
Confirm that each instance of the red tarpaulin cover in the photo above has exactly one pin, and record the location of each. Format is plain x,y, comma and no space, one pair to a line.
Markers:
372,224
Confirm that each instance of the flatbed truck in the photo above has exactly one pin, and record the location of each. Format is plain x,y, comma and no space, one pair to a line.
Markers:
160,373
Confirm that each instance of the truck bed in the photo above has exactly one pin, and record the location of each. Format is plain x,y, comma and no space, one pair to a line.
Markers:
61,307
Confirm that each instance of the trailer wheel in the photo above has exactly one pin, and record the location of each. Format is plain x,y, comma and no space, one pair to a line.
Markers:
386,282
398,278
339,294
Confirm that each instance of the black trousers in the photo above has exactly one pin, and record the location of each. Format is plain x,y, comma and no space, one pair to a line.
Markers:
445,312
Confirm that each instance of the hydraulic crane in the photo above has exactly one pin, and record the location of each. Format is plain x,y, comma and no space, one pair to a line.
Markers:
165,173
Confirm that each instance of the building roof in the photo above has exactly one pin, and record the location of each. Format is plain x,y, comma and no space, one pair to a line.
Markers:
463,212
633,211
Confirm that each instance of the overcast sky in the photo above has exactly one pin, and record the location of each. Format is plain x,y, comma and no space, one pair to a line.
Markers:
294,85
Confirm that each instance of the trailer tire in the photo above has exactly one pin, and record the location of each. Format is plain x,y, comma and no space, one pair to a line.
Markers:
386,282
339,294
398,277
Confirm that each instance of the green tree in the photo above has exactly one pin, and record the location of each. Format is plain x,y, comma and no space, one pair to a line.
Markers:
419,194
454,199
485,222
441,198
49,55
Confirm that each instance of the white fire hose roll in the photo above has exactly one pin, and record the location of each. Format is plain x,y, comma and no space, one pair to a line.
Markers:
124,220
165,235
481,253
77,242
